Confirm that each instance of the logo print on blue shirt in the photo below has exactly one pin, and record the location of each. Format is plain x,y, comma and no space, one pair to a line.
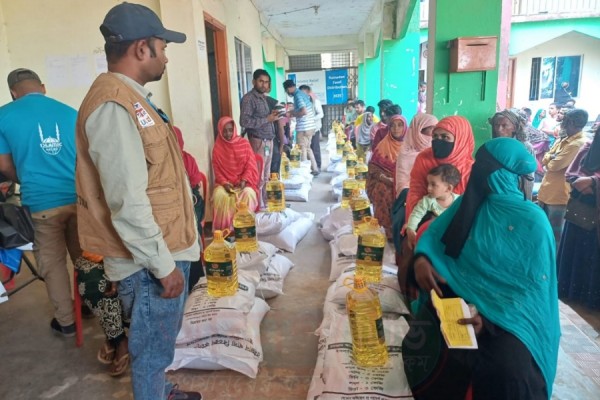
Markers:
50,145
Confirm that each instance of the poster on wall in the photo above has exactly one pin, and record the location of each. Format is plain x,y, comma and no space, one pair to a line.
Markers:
331,86
547,78
314,79
567,78
337,86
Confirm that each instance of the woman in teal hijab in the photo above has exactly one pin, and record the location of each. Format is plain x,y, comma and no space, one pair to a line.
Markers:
495,250
539,116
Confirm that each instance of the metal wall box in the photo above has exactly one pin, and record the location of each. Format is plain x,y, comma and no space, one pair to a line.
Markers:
477,53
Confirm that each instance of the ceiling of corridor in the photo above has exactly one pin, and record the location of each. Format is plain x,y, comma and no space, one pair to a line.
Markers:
304,26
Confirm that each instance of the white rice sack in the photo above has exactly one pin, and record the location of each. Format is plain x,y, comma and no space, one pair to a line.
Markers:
289,238
348,244
344,230
225,339
257,260
331,167
334,157
316,383
268,223
338,180
343,379
339,261
293,182
329,308
272,279
336,194
298,194
336,218
388,289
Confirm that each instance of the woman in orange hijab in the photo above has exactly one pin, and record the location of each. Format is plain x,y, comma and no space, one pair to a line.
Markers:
382,170
236,174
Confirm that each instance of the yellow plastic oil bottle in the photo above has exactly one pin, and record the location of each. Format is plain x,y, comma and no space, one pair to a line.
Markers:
348,185
340,142
275,194
284,169
221,266
360,173
244,228
347,150
361,208
366,325
351,161
369,254
295,154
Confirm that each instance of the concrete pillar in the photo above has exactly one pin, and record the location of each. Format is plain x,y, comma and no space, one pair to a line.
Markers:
470,94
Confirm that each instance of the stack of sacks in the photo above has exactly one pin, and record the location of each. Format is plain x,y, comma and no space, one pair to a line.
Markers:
343,252
222,333
283,229
334,219
336,375
298,185
272,268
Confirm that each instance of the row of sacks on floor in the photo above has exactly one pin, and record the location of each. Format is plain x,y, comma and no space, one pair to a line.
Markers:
336,376
224,333
298,183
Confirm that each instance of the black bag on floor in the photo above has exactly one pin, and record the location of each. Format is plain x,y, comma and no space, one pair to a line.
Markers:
16,226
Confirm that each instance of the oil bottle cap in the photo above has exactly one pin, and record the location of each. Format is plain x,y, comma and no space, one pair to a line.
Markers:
356,192
218,236
359,283
351,173
274,176
360,160
242,205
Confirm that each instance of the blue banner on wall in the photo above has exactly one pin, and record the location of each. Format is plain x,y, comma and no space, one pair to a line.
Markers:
337,86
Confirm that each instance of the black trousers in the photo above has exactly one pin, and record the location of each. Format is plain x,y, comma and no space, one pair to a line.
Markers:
501,369
276,159
315,146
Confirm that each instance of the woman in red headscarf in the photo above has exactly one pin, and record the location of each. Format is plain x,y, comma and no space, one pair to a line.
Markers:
382,168
452,143
236,174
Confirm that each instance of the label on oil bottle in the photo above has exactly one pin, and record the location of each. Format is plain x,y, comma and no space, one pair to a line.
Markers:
368,253
380,331
350,163
286,168
248,232
218,269
274,195
295,157
347,193
358,215
361,176
339,146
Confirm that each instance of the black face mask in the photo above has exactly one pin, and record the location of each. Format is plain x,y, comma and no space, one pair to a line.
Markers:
441,148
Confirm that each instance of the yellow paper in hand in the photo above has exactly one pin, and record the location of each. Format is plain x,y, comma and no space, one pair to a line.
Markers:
449,312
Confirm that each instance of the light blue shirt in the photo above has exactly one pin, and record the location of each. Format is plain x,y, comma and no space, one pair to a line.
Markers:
307,121
39,133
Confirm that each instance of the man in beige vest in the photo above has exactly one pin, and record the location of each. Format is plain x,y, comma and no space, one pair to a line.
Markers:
134,200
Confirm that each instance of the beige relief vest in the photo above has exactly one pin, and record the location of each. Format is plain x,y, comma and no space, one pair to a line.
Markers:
167,189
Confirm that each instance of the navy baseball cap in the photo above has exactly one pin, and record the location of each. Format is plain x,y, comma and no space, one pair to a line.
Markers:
129,21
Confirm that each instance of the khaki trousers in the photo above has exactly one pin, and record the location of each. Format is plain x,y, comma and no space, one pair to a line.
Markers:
304,139
55,232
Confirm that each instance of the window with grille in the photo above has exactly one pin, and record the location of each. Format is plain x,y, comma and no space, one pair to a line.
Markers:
534,83
243,57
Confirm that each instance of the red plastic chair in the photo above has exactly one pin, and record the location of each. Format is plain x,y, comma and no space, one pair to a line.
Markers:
259,166
77,311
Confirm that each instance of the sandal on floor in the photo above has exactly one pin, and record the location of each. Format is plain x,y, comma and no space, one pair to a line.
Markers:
106,354
120,366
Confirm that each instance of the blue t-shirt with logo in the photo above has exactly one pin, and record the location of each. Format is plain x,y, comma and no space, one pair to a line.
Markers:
39,133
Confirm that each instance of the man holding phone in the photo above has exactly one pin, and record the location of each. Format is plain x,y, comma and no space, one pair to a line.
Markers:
256,118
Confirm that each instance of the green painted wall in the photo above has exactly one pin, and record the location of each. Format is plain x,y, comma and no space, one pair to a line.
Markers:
470,94
526,35
401,67
373,80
